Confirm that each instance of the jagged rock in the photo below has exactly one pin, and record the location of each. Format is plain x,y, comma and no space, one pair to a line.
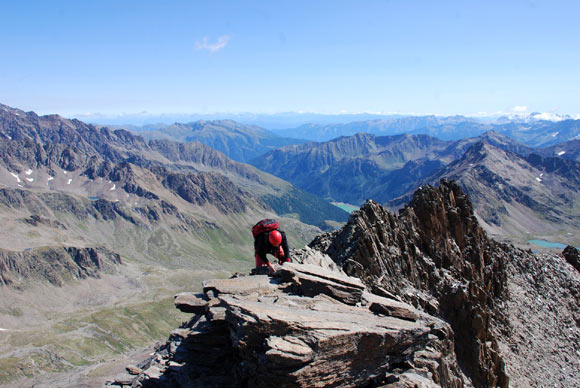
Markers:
541,346
242,286
572,256
434,255
391,307
308,255
267,332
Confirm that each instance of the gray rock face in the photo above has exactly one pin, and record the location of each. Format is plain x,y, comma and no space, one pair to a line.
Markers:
541,346
435,256
307,327
572,256
514,315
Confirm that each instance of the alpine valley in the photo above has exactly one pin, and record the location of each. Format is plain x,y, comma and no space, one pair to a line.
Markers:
102,226
518,192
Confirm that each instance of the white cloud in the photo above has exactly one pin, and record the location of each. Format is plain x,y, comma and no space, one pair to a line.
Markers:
204,44
520,109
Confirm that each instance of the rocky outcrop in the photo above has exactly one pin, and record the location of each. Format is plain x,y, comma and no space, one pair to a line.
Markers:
208,188
434,255
541,344
572,256
55,265
307,327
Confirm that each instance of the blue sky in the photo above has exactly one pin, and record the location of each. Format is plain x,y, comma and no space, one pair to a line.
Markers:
446,57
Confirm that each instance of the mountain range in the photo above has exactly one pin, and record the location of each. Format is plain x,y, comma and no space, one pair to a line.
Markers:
238,141
102,226
378,167
99,224
533,132
244,142
497,171
519,196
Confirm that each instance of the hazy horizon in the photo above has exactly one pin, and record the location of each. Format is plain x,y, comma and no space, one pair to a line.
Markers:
110,58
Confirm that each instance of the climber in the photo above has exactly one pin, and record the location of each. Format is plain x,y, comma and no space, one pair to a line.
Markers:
269,239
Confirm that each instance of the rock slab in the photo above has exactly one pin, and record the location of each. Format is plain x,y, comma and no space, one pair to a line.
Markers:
306,327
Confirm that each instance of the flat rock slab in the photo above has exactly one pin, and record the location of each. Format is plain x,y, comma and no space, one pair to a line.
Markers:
312,345
245,285
307,327
191,303
314,270
390,307
313,280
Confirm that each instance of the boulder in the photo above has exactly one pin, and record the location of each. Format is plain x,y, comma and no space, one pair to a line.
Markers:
189,302
572,256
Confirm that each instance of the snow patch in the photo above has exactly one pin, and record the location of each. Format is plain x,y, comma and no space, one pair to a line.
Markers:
16,176
539,179
69,181
560,153
555,134
19,185
541,174
30,179
549,116
114,187
64,172
9,137
50,178
1,329
29,172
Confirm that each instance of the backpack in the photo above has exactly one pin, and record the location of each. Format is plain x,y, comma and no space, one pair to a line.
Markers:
266,225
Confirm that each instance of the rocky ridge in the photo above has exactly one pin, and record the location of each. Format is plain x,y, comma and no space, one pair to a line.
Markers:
55,265
515,195
238,141
307,327
434,255
45,146
483,313
541,342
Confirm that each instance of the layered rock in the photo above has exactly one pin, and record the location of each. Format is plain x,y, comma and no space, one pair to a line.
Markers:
434,255
419,299
307,327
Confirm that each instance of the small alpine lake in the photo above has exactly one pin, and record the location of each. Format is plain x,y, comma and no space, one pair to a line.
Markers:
345,206
547,244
